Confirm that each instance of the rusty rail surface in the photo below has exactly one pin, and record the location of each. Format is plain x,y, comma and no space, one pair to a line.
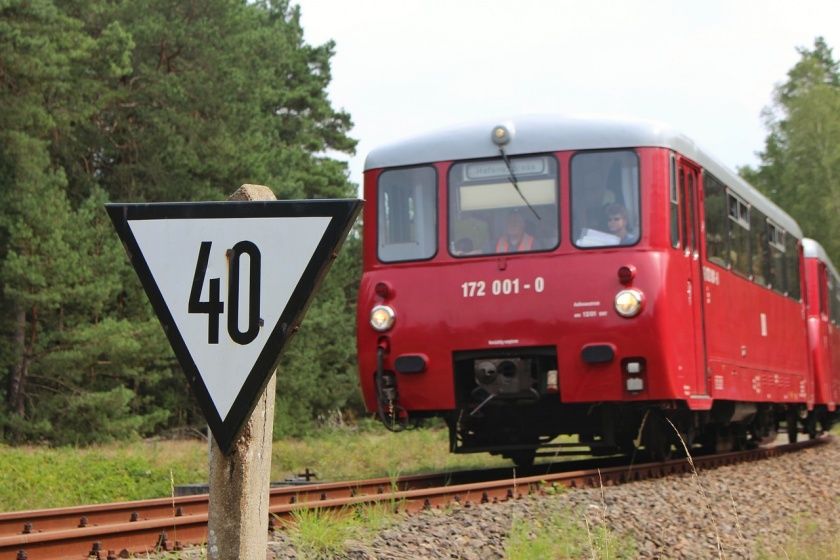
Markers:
110,531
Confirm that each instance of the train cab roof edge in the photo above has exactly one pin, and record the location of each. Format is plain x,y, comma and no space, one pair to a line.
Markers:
553,133
812,249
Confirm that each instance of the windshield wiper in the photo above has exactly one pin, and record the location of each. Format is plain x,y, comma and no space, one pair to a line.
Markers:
513,181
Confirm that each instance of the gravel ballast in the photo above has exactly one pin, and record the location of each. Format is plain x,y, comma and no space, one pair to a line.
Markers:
727,512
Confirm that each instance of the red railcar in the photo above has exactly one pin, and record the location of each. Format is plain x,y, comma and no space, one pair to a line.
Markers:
822,283
592,277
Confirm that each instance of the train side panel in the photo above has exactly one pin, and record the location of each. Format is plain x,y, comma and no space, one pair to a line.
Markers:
756,341
823,334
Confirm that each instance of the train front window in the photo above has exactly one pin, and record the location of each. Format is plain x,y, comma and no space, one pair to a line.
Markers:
487,216
605,199
407,214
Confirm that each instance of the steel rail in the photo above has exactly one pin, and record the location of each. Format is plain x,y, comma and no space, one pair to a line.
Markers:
168,533
67,518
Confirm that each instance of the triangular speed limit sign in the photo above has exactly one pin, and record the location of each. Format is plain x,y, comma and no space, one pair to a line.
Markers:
230,282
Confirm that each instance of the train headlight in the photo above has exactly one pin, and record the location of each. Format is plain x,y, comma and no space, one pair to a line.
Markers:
382,318
628,303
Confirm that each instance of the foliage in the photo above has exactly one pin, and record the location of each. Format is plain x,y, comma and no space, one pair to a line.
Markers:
162,100
367,450
800,163
561,535
317,374
807,540
323,534
39,477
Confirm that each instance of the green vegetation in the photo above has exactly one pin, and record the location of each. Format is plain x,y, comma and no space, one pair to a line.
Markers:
348,453
800,163
562,535
805,541
39,477
115,100
321,535
160,100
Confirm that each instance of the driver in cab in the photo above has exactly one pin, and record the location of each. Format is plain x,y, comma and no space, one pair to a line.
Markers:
515,238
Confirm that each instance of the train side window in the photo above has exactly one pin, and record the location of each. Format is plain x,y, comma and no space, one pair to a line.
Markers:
834,304
674,206
824,281
715,210
792,263
760,249
739,234
605,199
407,214
690,213
776,242
683,221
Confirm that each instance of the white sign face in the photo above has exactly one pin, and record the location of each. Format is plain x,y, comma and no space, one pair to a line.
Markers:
226,329
229,282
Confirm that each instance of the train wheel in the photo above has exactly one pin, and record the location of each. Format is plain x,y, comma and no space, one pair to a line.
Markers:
718,439
684,441
708,440
740,441
811,425
626,445
657,437
524,458
792,422
826,422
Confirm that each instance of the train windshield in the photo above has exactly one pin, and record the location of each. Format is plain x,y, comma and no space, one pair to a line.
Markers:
488,216
605,199
407,214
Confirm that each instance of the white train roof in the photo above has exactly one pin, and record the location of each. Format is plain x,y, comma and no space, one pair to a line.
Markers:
551,133
813,249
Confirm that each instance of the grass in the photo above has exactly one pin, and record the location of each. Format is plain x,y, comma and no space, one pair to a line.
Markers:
561,535
42,477
805,541
323,534
367,451
319,533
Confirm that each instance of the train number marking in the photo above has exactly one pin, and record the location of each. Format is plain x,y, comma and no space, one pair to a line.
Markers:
474,289
501,287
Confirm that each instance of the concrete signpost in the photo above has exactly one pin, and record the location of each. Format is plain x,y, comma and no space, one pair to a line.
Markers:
230,283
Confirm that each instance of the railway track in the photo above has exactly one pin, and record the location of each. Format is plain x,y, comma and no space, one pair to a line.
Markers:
110,531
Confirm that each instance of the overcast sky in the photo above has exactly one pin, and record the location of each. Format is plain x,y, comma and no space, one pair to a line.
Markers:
708,68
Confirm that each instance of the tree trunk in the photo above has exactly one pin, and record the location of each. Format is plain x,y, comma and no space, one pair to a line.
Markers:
17,381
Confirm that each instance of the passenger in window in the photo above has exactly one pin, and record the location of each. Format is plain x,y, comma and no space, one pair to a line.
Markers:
515,238
465,246
472,234
617,224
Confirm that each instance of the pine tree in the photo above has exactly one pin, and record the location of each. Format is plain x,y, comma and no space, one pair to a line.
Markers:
155,101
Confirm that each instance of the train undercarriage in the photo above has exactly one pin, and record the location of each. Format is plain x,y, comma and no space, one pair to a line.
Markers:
658,430
508,405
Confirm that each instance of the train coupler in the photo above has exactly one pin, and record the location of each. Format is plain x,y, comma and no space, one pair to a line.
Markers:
392,415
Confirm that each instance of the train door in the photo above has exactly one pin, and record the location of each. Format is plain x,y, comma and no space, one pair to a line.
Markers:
827,331
690,232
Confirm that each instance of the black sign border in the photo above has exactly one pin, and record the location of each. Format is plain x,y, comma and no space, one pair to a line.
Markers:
342,214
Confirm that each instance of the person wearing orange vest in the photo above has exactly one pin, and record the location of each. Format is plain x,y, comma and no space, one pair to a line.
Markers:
515,238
